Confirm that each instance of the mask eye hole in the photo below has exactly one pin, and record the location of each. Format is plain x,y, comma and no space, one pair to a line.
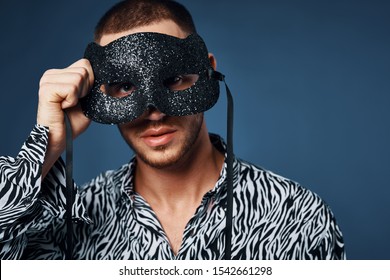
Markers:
118,90
181,82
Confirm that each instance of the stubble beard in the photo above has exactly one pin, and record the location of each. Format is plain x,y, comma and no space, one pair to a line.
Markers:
170,156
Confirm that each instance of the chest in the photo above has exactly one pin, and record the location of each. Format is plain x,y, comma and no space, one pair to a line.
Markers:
139,233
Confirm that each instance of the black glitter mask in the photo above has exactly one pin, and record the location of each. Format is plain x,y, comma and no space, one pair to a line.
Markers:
143,70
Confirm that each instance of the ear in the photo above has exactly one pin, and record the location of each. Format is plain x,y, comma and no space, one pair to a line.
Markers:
213,61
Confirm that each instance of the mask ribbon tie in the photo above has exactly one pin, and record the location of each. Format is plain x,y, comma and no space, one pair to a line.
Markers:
229,165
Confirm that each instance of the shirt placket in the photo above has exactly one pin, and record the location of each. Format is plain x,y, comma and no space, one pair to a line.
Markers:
144,215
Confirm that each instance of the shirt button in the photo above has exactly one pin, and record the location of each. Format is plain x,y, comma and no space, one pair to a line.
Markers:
27,201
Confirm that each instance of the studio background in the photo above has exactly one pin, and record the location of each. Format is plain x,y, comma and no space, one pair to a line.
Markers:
310,81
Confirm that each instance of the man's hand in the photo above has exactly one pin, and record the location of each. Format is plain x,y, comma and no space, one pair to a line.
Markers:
59,91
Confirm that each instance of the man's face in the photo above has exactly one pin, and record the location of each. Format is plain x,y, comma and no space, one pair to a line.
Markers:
157,139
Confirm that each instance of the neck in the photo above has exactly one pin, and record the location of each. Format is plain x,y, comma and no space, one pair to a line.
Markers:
184,182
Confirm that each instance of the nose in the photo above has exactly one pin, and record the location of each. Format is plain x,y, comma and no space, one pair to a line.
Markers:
153,114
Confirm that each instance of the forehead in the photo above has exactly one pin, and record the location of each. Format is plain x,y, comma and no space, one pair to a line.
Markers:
168,27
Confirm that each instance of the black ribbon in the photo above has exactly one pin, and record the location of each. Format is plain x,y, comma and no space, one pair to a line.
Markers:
70,191
229,167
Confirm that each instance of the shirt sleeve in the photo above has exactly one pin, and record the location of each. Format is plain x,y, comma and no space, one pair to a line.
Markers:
28,205
330,245
318,227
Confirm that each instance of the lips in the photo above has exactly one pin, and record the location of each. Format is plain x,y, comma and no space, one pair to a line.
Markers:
160,136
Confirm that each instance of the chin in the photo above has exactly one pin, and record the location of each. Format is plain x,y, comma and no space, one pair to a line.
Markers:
160,161
165,156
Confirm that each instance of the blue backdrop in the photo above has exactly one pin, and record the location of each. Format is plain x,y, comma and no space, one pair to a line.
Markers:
311,82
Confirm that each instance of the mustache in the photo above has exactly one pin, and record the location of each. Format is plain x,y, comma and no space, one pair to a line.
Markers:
145,124
166,120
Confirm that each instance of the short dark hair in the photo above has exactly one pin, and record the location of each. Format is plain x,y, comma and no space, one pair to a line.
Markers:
130,14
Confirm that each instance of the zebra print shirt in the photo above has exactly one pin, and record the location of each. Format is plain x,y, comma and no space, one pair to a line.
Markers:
273,217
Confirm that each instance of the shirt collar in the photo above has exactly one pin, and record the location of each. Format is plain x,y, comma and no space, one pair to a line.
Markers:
126,173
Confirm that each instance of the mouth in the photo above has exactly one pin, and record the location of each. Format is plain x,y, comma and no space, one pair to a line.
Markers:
154,137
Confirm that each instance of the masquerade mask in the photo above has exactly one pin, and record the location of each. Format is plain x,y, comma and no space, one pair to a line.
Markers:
145,70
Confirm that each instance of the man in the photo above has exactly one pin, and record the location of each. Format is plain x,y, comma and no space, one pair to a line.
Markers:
170,201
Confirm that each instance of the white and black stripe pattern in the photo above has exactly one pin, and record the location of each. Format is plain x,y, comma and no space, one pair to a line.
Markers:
273,218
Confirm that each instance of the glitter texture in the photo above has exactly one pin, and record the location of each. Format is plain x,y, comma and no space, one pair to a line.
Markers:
147,60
